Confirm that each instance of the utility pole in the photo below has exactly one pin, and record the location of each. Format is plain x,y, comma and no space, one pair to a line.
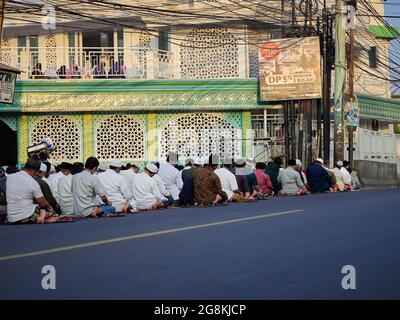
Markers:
326,92
340,79
2,6
350,129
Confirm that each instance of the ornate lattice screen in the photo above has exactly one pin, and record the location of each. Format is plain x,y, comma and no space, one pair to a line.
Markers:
198,135
51,53
5,53
65,134
144,47
209,53
120,137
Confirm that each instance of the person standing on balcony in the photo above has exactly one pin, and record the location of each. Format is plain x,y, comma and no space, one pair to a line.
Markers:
62,72
37,72
73,72
116,71
99,71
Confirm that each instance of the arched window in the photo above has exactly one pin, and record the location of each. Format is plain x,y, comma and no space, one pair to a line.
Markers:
199,135
120,137
65,134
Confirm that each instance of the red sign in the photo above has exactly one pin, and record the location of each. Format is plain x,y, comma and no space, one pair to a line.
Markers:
270,50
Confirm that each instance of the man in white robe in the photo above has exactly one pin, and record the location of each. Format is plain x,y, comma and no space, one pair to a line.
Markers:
64,189
117,189
228,182
54,178
171,177
145,191
159,183
130,174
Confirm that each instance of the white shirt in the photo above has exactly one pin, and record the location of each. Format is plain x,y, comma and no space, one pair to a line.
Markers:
160,185
117,189
85,187
145,191
22,189
228,181
129,175
304,177
65,194
53,184
346,175
171,178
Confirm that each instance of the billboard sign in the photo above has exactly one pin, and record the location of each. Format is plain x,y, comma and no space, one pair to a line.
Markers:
7,86
290,69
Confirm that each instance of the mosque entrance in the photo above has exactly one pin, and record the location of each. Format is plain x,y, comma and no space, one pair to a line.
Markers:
8,145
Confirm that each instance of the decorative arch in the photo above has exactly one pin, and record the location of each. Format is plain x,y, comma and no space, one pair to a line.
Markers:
199,135
209,53
65,134
120,137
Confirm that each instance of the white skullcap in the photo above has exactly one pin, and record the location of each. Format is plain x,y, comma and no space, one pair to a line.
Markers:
152,168
298,162
103,166
136,164
198,161
320,160
116,164
339,163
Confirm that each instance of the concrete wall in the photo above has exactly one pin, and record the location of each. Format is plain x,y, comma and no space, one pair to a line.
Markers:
377,174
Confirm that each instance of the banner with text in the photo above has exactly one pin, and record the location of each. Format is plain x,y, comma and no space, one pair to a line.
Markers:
290,69
7,86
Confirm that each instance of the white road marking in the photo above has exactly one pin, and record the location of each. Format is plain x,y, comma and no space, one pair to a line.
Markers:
143,235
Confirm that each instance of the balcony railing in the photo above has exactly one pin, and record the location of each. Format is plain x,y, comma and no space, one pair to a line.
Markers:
90,63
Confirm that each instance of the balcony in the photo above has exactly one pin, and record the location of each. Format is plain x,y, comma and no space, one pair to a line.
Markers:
90,63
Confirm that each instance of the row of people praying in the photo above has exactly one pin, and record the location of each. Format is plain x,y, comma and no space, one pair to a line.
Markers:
36,195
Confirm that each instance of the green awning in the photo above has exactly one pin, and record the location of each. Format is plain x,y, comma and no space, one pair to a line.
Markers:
385,32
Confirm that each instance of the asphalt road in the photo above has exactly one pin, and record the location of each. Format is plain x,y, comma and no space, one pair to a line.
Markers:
287,248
